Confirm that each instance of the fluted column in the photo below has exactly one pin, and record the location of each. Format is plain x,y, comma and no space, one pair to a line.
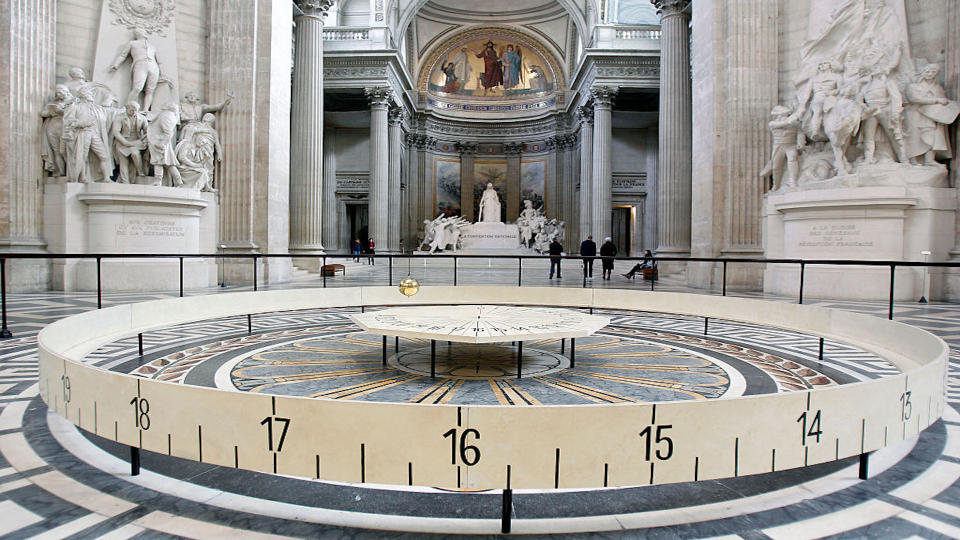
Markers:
378,207
395,121
952,77
673,197
602,161
413,194
27,49
331,234
468,151
512,152
586,172
567,180
306,130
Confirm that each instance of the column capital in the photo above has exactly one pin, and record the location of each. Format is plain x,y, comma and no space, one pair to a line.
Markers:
552,143
585,114
467,148
603,96
378,97
315,8
667,8
512,148
396,115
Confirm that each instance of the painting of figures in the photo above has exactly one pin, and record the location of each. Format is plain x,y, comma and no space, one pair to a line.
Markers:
533,178
493,172
447,174
493,68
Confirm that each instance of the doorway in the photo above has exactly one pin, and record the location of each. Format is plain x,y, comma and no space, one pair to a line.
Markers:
621,229
357,220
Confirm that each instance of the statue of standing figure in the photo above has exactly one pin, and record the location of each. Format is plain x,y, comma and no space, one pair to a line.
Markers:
199,146
192,110
145,71
927,116
787,141
489,205
129,141
160,134
52,150
85,132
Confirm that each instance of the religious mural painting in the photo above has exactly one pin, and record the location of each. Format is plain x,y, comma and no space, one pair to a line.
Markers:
447,175
491,68
493,172
533,179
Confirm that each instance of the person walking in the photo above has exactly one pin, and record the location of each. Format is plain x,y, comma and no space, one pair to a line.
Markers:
356,249
607,252
648,262
556,250
370,252
588,249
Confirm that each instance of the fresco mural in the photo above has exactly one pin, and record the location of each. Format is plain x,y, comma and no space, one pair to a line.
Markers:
494,172
447,174
493,68
533,180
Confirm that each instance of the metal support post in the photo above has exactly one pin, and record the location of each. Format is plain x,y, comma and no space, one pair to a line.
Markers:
134,461
99,287
384,350
519,358
724,278
5,332
433,359
573,352
864,465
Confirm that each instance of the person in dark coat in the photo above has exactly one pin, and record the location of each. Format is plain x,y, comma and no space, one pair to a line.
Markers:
370,251
588,248
356,249
556,250
607,252
648,262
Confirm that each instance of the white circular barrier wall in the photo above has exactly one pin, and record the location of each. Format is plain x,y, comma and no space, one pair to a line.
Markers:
490,447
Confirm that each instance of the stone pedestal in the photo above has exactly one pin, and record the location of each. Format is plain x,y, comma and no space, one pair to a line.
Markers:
490,239
872,223
128,218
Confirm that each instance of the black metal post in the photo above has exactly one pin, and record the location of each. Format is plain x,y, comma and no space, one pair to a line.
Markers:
864,465
4,332
396,344
390,270
519,271
706,323
563,345
249,323
255,273
893,273
724,278
323,271
134,461
454,270
573,351
140,343
507,511
433,359
384,350
803,267
181,277
519,358
99,287
821,349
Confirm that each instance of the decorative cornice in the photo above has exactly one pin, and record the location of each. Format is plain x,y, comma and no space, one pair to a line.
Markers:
666,8
379,96
467,148
512,148
315,8
603,96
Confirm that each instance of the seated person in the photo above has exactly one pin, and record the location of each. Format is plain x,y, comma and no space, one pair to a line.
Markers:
648,262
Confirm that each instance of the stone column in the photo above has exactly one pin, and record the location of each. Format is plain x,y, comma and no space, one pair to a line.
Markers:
468,152
331,233
378,207
673,199
395,121
602,161
512,152
306,131
952,86
414,193
27,48
568,186
586,172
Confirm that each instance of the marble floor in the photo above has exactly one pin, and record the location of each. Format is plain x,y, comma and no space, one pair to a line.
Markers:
58,482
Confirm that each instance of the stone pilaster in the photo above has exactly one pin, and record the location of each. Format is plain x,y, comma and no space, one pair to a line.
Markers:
249,46
568,186
414,193
602,161
378,222
395,132
586,172
951,74
27,48
512,152
306,130
468,151
331,235
673,199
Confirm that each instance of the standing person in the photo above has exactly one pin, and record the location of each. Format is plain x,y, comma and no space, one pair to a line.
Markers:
648,262
588,249
607,252
556,250
371,251
356,248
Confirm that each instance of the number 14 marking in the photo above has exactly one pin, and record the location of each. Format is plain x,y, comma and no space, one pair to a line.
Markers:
814,431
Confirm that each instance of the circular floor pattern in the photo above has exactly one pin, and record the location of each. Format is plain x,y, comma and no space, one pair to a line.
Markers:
478,362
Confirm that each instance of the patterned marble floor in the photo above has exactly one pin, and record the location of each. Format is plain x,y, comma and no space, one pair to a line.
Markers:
55,482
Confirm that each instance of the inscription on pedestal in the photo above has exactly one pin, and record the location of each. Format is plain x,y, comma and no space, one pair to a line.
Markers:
845,235
139,227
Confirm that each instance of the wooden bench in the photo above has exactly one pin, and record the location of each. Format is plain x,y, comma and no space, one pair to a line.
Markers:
650,274
332,269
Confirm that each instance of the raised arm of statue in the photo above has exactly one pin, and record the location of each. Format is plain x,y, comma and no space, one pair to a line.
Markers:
124,52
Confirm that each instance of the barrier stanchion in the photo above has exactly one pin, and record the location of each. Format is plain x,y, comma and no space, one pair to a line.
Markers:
181,277
5,332
803,267
893,273
724,278
254,273
99,287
